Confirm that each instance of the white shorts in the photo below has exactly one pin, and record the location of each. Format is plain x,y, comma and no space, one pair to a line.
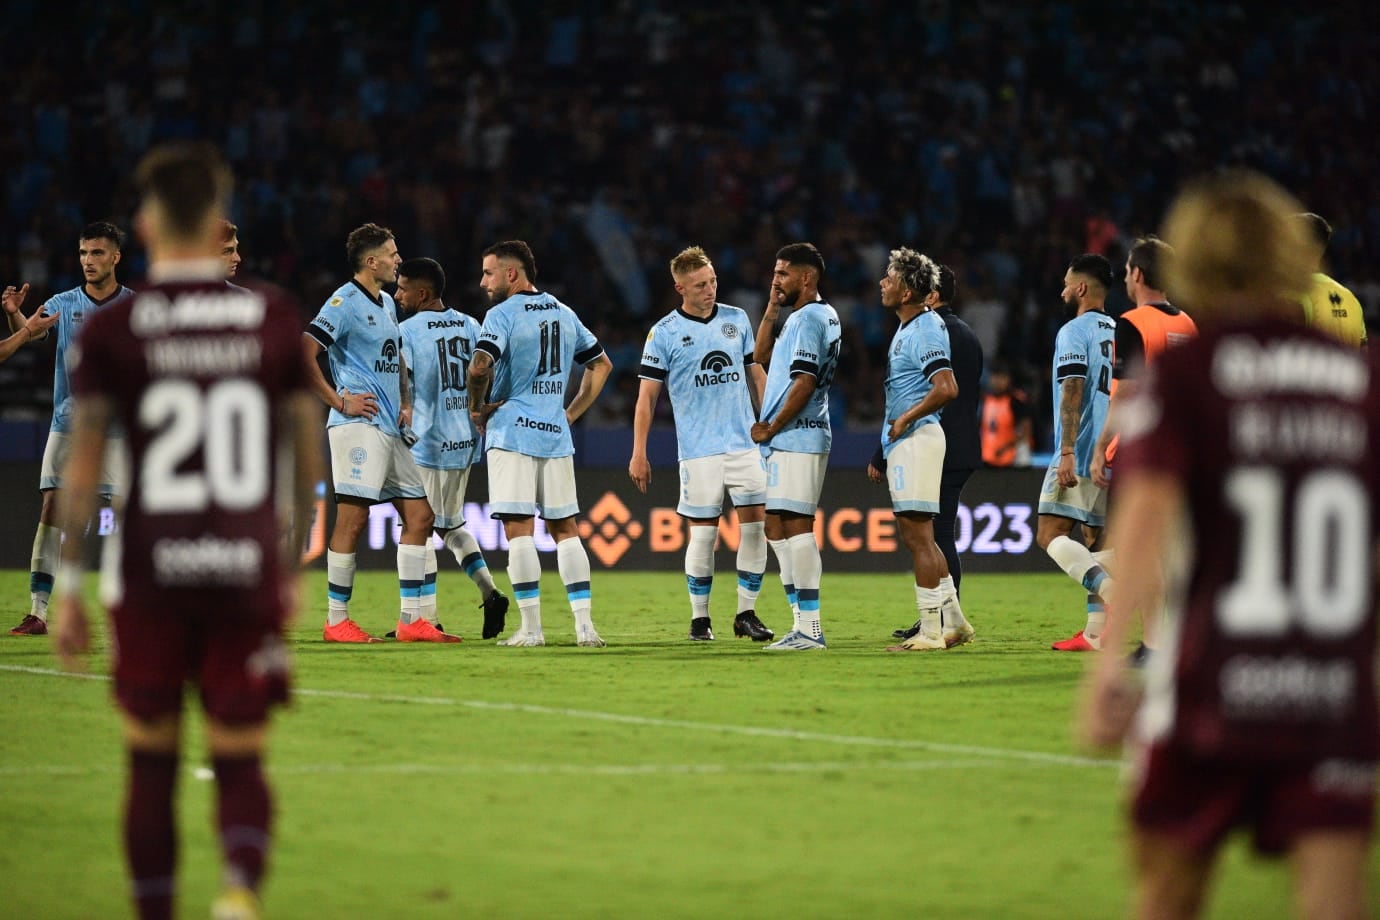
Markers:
703,480
525,486
914,469
1085,502
445,490
368,464
794,481
114,471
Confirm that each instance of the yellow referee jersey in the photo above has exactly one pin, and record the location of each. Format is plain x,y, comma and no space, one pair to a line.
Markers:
1333,309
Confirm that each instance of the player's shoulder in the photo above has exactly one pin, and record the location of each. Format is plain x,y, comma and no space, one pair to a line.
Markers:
825,310
733,314
1331,286
1094,323
667,325
532,302
954,322
66,299
822,314
345,296
459,319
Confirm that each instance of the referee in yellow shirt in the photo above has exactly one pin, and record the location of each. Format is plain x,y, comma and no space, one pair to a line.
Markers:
1329,306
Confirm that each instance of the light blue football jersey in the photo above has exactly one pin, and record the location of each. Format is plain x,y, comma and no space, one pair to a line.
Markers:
919,350
703,363
536,342
73,308
362,341
1084,348
438,346
808,344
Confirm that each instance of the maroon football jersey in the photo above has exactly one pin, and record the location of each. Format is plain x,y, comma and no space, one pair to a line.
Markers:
1269,652
199,373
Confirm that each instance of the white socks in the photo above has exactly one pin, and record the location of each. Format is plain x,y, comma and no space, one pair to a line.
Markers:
573,563
1097,618
929,601
783,560
43,566
699,568
465,548
411,573
1075,559
524,571
806,568
752,562
428,605
951,614
340,584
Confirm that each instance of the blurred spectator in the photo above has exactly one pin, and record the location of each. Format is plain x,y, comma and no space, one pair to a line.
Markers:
612,134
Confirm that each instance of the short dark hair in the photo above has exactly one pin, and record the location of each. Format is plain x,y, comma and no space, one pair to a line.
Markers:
428,272
948,284
104,230
362,240
1150,254
1318,228
1095,267
518,250
802,254
188,179
228,231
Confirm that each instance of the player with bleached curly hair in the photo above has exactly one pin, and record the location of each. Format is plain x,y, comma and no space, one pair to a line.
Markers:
919,382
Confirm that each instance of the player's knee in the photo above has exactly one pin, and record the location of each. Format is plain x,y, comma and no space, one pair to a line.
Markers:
563,528
226,740
350,519
158,734
419,518
1048,529
793,525
47,513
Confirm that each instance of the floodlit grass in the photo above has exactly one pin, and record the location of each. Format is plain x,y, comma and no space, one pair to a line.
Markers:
654,778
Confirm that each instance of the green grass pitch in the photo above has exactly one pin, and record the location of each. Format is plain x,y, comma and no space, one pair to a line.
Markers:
654,778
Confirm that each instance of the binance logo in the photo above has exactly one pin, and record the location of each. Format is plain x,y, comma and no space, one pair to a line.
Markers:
608,530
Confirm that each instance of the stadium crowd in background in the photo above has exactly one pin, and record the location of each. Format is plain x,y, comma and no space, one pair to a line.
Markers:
608,134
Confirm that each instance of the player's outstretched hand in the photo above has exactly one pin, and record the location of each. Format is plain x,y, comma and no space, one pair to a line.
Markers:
39,324
72,635
358,404
13,297
640,472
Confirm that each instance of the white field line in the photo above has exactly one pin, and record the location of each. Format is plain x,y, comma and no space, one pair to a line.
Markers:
750,731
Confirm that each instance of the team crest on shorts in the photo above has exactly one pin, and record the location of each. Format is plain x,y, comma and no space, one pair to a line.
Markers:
729,330
358,455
